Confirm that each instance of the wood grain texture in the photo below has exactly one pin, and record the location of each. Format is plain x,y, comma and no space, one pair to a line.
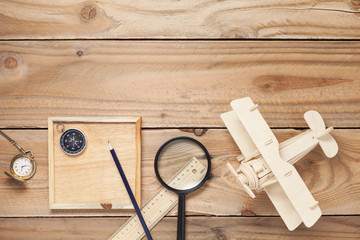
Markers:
178,84
199,228
335,183
179,19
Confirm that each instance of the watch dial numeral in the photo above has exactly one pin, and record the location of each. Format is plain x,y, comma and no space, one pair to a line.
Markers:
22,167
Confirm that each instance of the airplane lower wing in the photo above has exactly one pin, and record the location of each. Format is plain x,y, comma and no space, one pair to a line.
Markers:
294,188
284,207
287,176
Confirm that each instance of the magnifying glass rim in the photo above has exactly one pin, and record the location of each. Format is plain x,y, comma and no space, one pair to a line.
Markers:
185,191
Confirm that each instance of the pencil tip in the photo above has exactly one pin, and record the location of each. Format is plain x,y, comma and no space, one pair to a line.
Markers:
111,148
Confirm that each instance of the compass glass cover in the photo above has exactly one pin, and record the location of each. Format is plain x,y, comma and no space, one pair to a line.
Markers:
72,141
22,166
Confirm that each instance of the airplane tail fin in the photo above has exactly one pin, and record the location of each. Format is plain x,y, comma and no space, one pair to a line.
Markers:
317,125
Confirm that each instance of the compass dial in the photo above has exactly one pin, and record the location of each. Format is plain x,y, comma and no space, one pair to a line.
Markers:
73,141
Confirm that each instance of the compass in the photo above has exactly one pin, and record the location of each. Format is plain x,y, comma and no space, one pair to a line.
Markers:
72,141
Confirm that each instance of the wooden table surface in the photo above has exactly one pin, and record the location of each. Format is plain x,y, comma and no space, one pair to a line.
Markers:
178,64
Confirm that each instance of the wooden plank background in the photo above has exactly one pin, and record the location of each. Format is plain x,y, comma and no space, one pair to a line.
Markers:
71,19
178,64
178,84
222,196
200,228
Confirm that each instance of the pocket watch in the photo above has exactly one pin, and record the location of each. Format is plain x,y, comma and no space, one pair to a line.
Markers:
72,140
22,166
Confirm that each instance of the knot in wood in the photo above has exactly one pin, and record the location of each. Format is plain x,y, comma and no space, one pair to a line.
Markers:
355,4
88,12
196,131
199,131
80,53
247,212
10,62
219,234
106,205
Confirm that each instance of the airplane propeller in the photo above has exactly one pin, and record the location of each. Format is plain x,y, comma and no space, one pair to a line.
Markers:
242,179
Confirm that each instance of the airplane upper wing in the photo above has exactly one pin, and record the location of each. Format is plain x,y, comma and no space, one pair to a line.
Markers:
286,174
240,135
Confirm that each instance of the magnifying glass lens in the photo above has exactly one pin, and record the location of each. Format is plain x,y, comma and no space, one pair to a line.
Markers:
175,156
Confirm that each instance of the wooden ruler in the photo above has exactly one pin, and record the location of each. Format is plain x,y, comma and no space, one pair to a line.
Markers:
161,204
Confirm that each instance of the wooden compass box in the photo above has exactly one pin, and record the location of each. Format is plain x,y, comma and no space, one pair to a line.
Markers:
91,180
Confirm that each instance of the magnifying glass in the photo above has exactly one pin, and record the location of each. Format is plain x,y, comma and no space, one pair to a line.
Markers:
170,159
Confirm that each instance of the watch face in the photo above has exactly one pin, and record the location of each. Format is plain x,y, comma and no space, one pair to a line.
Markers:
23,167
72,141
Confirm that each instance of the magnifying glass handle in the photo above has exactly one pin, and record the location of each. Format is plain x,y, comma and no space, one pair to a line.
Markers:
181,218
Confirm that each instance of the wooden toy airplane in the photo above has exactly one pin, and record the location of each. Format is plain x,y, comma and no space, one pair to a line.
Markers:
267,165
